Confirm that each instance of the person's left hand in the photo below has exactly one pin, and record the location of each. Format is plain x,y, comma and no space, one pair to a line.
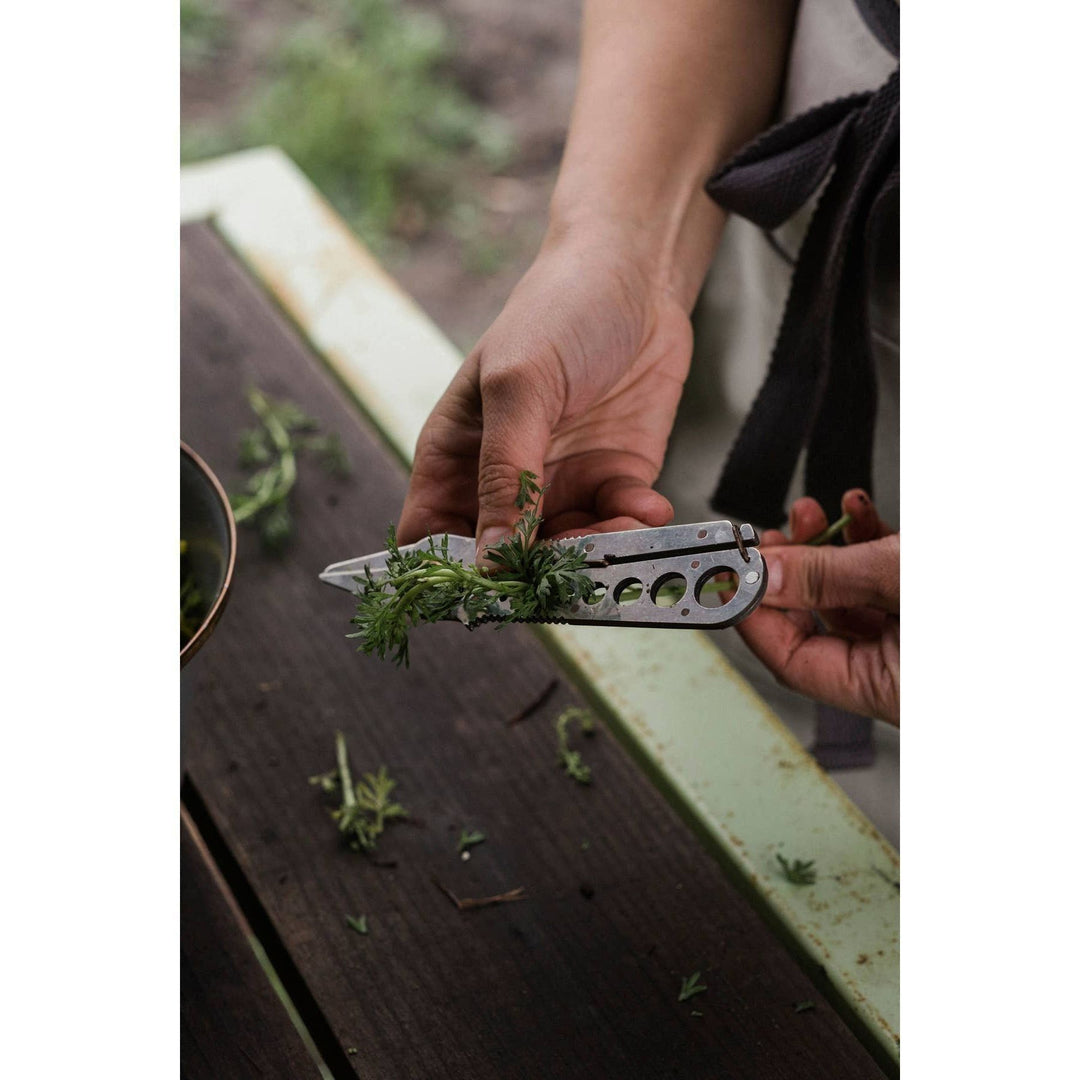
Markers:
854,590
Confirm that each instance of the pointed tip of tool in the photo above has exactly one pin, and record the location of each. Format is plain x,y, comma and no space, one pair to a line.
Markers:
333,576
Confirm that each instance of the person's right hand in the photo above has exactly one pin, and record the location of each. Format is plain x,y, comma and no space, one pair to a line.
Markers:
577,380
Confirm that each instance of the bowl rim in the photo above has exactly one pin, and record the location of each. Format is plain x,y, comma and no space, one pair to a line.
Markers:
195,643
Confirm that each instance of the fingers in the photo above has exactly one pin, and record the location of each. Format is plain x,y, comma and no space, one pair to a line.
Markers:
806,520
568,532
863,677
442,487
630,496
516,431
818,578
865,522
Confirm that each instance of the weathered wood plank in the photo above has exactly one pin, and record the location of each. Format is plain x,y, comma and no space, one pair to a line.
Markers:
231,1022
581,978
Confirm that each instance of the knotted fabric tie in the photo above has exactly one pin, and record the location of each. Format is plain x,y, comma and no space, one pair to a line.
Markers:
820,391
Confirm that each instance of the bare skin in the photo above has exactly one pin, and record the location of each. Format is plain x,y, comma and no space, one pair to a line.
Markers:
579,377
855,592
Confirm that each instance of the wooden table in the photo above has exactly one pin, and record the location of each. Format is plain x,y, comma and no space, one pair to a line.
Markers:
581,978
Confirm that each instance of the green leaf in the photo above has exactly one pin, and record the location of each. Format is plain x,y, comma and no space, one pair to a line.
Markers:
797,871
691,987
359,924
571,760
469,838
426,585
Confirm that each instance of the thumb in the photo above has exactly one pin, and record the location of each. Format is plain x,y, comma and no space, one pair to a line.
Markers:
820,578
516,432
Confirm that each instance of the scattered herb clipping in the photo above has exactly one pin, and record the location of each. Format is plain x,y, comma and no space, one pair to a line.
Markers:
691,987
797,871
804,1006
535,579
571,760
271,449
469,838
695,1012
366,806
192,607
358,924
469,903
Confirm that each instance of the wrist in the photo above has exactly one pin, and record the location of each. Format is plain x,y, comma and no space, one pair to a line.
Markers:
669,240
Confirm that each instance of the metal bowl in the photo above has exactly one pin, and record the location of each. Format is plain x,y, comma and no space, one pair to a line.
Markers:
208,527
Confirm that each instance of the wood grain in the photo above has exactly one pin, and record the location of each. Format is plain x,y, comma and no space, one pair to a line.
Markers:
231,1022
578,980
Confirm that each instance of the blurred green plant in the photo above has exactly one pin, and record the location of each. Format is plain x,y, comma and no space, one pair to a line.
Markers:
204,32
361,97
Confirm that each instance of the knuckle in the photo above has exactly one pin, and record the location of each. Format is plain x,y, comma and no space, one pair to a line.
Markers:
812,578
520,385
497,482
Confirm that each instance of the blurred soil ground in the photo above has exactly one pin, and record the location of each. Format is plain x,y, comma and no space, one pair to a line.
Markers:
516,60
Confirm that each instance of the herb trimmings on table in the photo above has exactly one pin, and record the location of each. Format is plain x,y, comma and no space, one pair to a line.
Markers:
571,760
366,806
359,924
691,987
469,838
272,450
797,871
537,580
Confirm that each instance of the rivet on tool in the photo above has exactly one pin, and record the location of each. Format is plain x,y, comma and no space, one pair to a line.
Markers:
752,577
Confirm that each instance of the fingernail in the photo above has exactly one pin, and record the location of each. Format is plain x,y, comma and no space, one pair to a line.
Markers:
775,567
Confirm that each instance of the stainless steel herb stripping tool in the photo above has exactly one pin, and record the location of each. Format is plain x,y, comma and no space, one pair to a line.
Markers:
643,577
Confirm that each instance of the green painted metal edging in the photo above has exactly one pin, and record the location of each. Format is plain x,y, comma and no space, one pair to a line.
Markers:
715,748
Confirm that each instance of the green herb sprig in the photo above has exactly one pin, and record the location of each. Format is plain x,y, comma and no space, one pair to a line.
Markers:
192,606
469,838
359,924
272,449
427,585
797,871
691,987
366,805
571,760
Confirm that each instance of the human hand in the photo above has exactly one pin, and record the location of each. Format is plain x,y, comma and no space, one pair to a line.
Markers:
855,591
577,380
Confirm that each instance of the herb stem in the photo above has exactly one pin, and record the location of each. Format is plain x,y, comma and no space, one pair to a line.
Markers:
348,794
826,535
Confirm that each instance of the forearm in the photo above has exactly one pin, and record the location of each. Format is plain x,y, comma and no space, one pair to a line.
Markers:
667,89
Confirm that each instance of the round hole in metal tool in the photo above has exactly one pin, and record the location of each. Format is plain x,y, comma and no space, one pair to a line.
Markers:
668,590
702,533
599,590
628,591
716,586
